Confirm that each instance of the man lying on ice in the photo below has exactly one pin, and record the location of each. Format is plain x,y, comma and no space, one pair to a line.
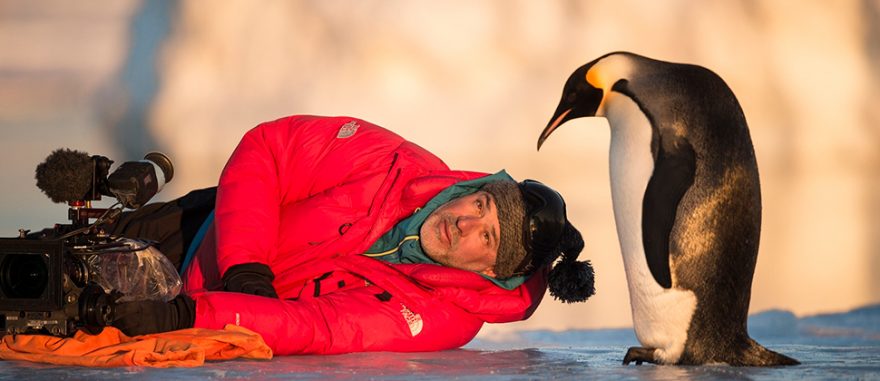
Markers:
334,235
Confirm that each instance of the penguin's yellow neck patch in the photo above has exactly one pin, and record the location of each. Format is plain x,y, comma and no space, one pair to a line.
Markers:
609,70
594,78
605,73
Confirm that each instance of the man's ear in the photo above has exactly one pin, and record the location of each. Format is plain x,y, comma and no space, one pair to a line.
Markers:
489,271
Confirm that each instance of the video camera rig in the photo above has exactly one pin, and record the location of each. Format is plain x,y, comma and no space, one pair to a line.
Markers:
55,281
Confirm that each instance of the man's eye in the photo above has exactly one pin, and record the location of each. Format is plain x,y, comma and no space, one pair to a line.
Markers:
486,238
479,204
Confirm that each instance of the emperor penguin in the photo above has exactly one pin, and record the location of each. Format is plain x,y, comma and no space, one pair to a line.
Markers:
687,205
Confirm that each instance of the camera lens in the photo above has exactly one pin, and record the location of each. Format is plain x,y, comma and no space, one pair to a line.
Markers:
94,309
23,276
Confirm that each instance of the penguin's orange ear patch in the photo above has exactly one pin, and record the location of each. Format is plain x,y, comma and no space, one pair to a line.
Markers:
593,78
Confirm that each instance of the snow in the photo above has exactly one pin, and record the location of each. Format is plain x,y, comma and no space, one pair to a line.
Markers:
831,346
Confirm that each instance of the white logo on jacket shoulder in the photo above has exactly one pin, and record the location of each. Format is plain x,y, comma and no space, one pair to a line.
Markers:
414,320
347,130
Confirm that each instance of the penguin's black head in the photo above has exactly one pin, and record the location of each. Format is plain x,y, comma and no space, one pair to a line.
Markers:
579,99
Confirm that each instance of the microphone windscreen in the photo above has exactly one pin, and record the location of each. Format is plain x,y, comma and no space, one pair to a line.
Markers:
65,175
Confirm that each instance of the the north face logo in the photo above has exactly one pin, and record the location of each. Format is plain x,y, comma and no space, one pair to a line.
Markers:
347,130
414,320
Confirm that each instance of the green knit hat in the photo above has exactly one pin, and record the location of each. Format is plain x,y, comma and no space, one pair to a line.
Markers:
511,209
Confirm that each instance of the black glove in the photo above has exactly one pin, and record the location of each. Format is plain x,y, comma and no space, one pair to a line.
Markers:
250,278
150,316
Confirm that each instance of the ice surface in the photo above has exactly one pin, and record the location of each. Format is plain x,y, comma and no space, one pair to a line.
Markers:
833,347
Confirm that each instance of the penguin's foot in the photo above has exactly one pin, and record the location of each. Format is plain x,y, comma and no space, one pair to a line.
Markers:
639,355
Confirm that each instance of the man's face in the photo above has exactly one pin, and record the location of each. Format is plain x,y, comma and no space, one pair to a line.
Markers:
464,233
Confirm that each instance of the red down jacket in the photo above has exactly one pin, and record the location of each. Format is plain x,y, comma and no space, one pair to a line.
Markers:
307,196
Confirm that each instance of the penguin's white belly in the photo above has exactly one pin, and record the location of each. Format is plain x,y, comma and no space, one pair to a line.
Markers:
661,317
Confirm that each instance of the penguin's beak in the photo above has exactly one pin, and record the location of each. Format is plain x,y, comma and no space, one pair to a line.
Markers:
560,116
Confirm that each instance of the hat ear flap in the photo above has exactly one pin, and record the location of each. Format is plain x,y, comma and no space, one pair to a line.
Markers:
571,280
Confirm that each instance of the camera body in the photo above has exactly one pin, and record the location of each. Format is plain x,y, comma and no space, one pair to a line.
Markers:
49,280
46,285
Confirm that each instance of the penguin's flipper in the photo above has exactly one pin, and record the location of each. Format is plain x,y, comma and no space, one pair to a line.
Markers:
674,169
639,355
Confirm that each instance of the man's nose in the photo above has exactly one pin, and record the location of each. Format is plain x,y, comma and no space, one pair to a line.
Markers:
468,224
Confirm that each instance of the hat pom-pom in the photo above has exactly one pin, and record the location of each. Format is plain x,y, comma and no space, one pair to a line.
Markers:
572,282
